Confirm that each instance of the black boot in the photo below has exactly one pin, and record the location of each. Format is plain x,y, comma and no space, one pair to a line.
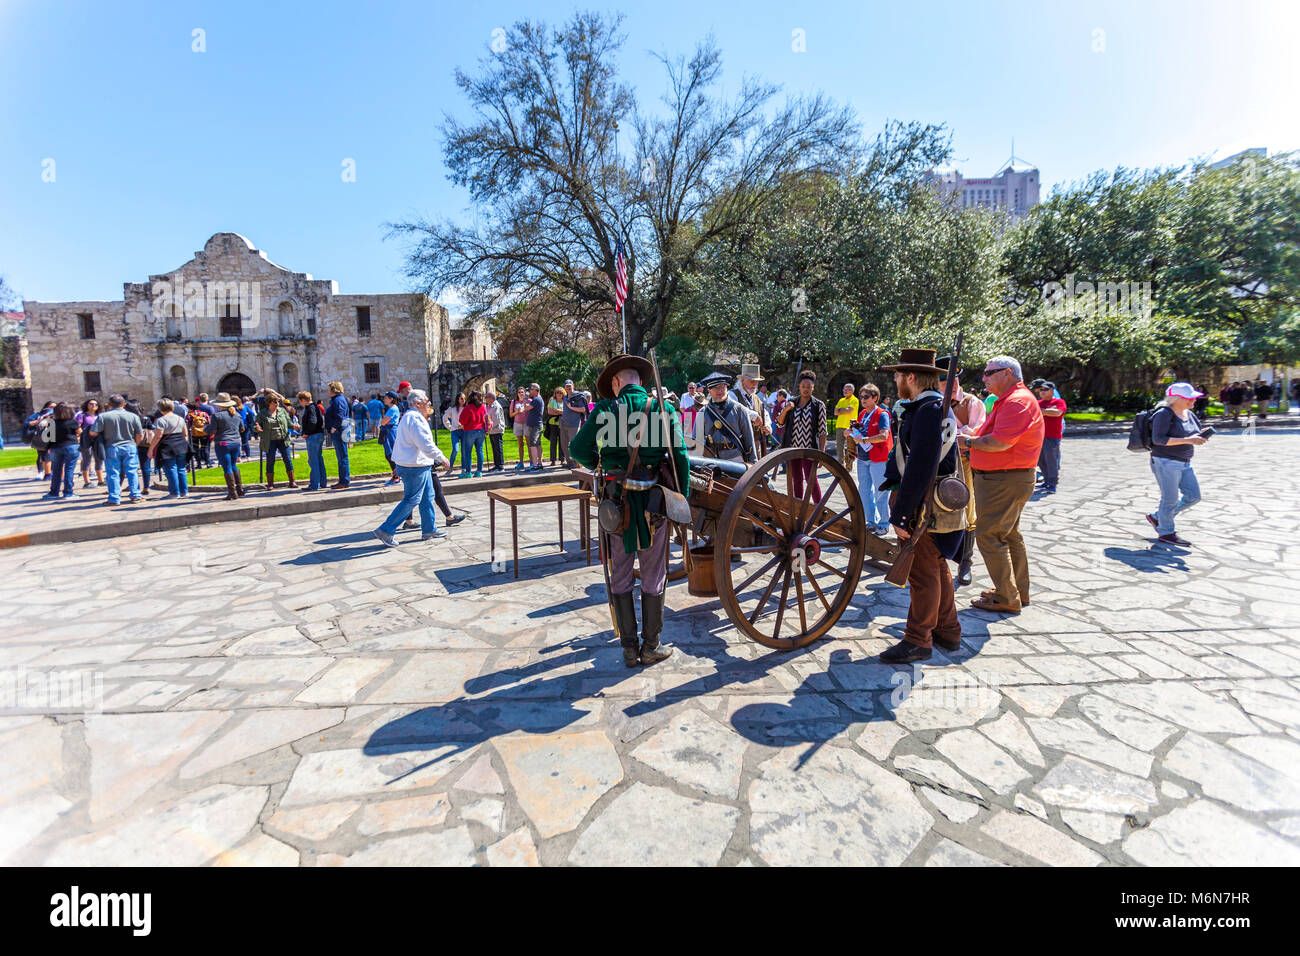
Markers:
652,623
625,620
239,484
231,493
963,566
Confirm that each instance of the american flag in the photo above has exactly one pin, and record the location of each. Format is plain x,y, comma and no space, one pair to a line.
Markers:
620,277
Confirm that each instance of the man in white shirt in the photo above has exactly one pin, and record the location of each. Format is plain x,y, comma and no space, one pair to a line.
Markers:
414,453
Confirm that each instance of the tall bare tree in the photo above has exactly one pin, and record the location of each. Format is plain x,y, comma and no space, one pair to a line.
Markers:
553,193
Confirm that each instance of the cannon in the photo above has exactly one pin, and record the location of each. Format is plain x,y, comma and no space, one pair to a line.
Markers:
784,566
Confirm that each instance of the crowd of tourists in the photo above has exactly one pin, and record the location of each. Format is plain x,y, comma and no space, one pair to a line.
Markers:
127,450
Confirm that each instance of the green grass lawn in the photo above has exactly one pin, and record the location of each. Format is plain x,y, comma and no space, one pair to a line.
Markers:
364,458
17,457
1097,416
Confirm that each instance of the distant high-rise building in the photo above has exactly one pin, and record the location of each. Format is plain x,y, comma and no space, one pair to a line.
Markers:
1013,189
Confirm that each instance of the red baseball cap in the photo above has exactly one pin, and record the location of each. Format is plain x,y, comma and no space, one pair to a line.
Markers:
402,385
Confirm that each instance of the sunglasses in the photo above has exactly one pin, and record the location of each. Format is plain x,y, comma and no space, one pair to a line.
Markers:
992,371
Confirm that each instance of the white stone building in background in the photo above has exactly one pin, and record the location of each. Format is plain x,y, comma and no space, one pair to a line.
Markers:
231,320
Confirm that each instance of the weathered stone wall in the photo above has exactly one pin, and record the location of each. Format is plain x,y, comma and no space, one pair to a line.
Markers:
398,342
165,335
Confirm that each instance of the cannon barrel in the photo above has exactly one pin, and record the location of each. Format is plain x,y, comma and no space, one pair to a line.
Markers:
733,468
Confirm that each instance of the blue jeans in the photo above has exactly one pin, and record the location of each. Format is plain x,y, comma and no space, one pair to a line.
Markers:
417,492
471,439
455,447
63,468
245,437
341,453
871,475
1049,462
360,425
173,467
316,461
1179,490
121,459
228,456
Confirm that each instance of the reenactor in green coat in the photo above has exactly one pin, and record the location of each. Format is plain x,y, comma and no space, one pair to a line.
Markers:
623,441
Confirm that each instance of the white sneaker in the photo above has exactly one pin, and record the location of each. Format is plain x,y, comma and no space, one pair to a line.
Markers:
384,536
435,534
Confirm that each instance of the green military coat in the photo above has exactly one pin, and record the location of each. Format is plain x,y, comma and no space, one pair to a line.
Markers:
601,442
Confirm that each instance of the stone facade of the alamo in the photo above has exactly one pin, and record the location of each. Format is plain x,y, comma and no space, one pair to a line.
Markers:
232,320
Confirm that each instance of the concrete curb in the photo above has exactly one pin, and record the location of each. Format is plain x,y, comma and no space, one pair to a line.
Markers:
252,510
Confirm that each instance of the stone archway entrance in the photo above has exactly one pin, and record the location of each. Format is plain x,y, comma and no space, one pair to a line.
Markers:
236,383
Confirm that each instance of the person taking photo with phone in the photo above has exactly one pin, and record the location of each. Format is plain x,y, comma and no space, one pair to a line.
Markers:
1175,435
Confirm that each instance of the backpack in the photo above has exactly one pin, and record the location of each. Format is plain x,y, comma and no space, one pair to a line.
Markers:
199,423
36,434
1139,436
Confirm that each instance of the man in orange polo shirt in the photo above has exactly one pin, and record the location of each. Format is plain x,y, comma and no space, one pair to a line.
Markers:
1003,456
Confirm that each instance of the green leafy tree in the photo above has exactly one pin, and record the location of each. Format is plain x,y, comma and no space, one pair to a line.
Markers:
550,371
553,194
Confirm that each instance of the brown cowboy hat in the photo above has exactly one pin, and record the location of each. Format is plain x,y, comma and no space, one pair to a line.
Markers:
605,382
915,360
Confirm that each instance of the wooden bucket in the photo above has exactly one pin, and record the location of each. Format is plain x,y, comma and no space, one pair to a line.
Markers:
700,579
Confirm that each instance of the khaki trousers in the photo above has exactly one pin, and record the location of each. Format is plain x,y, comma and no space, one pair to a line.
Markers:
1000,496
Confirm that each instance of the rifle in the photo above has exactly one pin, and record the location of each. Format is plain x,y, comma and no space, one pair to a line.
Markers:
672,465
902,566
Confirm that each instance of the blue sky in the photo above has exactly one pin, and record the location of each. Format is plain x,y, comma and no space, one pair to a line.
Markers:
156,147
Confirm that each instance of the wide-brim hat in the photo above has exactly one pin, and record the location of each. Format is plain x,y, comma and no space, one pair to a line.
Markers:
605,381
945,366
915,360
223,400
752,373
714,378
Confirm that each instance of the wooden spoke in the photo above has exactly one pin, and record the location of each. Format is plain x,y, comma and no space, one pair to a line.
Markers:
762,525
821,505
818,588
753,577
828,522
803,502
798,590
828,567
780,608
756,549
776,512
756,504
771,586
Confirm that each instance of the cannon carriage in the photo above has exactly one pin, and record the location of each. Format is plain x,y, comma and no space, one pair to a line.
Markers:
784,566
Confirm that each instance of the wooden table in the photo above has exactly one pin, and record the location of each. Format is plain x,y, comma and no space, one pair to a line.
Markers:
535,495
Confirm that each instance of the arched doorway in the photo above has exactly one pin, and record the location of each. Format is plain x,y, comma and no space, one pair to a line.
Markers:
236,383
177,387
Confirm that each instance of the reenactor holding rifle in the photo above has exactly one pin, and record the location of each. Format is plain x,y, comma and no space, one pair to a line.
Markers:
640,464
927,507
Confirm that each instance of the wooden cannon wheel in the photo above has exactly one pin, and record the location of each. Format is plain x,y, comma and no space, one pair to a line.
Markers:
810,556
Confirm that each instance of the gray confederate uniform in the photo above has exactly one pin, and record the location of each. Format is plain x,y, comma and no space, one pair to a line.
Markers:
723,430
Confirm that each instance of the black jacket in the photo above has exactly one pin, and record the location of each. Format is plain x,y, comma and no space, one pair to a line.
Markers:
920,425
311,419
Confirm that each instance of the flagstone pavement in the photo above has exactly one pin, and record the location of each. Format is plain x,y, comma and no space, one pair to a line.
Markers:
287,692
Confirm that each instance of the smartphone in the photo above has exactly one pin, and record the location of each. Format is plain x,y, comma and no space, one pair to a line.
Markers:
1206,432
